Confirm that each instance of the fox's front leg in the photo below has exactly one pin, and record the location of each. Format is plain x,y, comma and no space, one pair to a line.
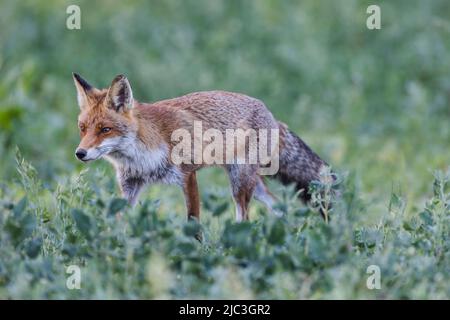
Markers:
130,188
191,196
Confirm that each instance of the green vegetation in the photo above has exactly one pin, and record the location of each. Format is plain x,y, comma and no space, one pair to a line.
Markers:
374,104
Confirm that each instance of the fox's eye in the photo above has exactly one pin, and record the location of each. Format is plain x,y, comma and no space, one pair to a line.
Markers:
105,130
82,128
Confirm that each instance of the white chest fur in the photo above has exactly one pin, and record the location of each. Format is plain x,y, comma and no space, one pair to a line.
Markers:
135,160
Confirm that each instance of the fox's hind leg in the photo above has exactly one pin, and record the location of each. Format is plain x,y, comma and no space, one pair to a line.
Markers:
243,180
263,194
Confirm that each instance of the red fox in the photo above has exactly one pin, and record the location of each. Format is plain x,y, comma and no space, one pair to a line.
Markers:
138,139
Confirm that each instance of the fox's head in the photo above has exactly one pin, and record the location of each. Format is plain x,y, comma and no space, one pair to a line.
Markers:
105,120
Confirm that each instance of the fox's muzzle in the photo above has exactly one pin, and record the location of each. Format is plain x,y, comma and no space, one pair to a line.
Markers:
80,153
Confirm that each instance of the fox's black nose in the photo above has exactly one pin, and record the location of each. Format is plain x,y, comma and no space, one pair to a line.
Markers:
81,153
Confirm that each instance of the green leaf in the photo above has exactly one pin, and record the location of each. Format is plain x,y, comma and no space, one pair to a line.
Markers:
20,207
8,114
83,222
220,209
237,234
280,206
33,247
411,225
277,233
116,205
70,250
186,247
192,228
20,229
426,217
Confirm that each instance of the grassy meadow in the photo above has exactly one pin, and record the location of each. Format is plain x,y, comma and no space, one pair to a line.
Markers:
373,103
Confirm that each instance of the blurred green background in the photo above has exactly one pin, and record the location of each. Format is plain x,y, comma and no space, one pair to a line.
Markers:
372,103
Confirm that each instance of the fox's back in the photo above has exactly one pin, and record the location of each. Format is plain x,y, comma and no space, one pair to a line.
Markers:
219,109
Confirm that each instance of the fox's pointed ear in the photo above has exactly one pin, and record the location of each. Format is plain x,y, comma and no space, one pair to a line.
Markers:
120,96
83,89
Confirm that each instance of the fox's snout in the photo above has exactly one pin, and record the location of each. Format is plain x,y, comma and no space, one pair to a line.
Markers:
86,152
89,154
80,153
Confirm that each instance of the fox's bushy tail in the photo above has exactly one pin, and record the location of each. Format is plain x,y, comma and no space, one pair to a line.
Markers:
298,164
